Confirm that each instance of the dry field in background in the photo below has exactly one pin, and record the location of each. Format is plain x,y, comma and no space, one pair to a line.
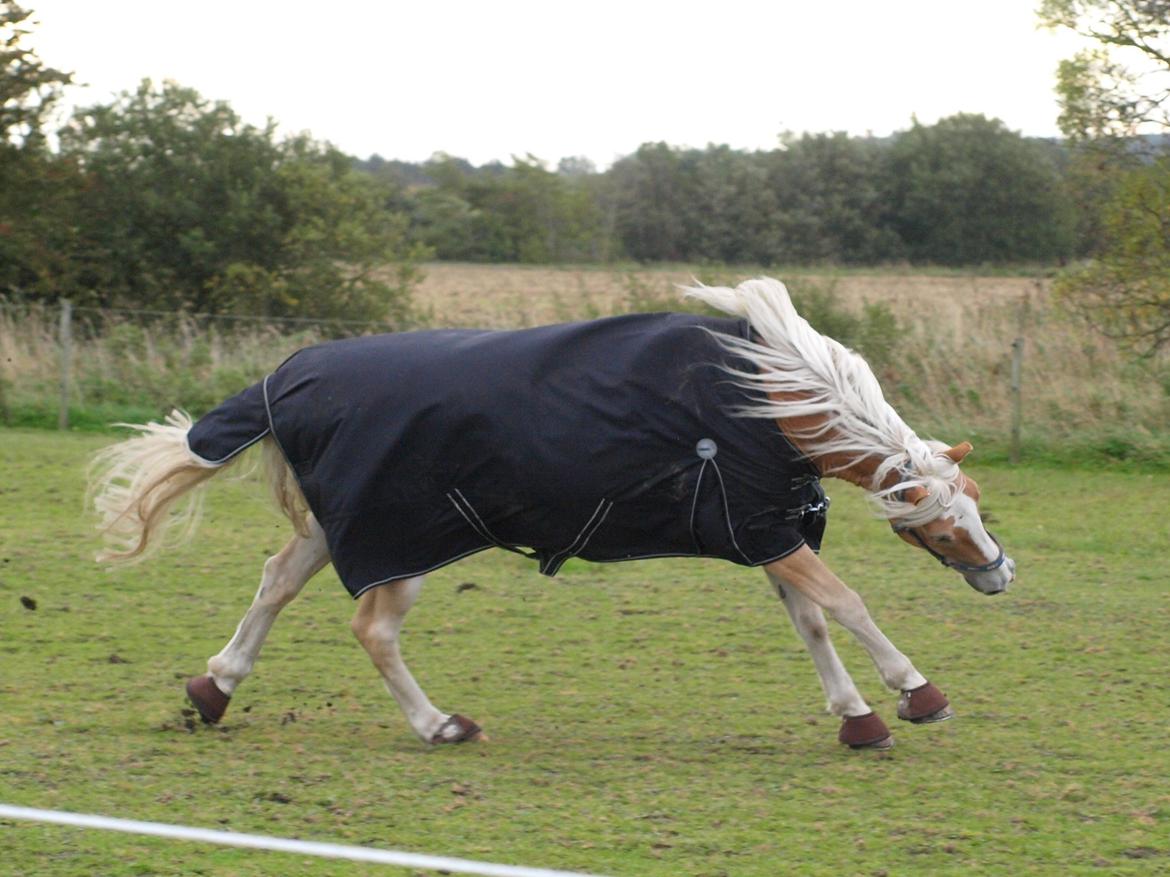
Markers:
506,296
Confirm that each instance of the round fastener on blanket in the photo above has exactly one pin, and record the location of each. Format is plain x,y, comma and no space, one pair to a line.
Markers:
865,732
205,695
706,448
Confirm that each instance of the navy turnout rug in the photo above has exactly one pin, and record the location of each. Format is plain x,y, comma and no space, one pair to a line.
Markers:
613,439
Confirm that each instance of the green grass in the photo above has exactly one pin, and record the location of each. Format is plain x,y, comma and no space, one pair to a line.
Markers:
657,718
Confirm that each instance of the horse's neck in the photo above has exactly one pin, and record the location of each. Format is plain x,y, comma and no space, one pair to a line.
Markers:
855,470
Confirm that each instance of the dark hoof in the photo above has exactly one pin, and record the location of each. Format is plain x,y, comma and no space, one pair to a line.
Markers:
207,698
458,729
865,732
923,705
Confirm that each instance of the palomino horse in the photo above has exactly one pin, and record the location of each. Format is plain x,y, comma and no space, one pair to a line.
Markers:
642,436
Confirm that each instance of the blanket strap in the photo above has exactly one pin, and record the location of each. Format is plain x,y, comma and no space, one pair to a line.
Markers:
476,522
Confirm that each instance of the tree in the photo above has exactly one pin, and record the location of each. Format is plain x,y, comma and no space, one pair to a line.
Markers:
1125,291
186,206
445,222
1114,91
35,188
654,195
576,166
729,215
518,213
1110,97
830,202
28,89
967,191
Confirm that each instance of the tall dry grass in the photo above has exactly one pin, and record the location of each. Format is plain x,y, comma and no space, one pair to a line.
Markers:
1077,388
942,348
127,367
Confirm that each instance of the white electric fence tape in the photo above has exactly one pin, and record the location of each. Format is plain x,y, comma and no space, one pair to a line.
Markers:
283,845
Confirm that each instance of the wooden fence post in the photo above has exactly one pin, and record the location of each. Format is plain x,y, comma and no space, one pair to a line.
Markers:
1023,314
66,339
1017,408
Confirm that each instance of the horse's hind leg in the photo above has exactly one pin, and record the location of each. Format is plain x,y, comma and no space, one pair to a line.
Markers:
377,624
860,727
284,575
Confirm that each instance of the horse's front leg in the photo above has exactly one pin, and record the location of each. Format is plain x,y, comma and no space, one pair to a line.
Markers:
804,572
377,624
861,728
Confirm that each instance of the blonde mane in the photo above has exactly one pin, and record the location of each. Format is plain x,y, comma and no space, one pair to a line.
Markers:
810,375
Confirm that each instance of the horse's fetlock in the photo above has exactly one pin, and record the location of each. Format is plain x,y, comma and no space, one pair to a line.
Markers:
850,705
903,678
227,674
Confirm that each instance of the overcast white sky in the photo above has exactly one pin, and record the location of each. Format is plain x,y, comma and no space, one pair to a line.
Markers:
495,78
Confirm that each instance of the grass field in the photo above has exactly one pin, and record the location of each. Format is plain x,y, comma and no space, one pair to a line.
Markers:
657,718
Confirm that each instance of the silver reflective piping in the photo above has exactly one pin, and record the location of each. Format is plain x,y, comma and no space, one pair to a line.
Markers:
727,513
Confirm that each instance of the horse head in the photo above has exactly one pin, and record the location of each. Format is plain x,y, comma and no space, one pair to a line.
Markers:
956,536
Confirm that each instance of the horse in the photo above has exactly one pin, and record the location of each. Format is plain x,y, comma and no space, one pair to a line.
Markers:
644,435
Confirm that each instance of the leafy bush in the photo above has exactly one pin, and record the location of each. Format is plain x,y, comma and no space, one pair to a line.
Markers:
165,200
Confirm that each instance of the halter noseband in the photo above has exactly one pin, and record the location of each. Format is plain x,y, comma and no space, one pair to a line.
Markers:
954,564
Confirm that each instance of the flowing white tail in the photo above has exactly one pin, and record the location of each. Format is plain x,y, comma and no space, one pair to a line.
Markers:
148,489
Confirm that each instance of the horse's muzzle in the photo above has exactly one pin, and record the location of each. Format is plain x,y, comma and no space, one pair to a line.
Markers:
995,581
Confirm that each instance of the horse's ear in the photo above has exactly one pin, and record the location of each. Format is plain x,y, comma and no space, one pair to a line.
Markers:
958,452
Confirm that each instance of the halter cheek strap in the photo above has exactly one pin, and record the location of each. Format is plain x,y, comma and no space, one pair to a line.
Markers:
954,564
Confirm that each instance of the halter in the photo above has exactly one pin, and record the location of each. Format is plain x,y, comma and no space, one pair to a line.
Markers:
954,564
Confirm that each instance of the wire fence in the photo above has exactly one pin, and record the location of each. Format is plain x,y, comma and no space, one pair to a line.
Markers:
79,354
75,323
109,313
236,318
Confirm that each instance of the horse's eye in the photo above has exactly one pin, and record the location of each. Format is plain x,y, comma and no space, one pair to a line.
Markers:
943,538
